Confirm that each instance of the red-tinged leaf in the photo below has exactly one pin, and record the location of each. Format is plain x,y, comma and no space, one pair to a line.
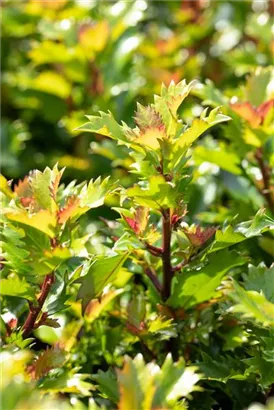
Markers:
27,202
50,359
147,117
23,189
139,221
132,224
247,112
67,212
56,181
198,236
254,116
264,109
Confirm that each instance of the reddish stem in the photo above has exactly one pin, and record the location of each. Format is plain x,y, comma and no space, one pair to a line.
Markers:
154,279
34,312
154,250
266,192
167,268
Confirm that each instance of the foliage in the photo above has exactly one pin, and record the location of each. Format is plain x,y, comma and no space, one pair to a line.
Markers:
150,285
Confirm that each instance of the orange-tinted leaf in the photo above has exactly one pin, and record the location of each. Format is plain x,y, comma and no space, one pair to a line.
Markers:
48,360
198,236
67,212
247,112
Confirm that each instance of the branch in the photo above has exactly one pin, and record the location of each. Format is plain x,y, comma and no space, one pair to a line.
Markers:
153,279
266,192
167,268
153,249
180,265
34,312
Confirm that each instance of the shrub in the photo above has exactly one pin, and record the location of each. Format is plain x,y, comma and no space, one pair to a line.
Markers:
169,306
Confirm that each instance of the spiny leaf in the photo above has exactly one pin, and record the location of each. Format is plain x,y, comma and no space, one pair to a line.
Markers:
48,360
230,236
19,287
253,305
144,386
260,279
104,124
199,126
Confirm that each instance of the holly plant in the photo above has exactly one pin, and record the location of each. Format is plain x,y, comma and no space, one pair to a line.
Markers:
159,308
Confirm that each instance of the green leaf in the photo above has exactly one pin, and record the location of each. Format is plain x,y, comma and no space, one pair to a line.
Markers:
252,305
229,161
41,184
264,370
66,381
221,368
157,194
15,286
257,85
100,273
43,220
107,384
193,287
144,386
50,359
169,101
93,194
5,188
260,223
104,124
199,126
260,279
245,230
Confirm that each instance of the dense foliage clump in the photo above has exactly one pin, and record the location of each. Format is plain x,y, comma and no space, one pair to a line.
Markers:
140,277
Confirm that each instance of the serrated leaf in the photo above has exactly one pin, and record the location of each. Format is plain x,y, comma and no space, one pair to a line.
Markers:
260,223
245,230
169,101
100,273
222,368
144,386
104,124
41,183
50,359
107,384
260,279
66,381
157,194
191,288
19,287
43,220
199,126
262,368
252,305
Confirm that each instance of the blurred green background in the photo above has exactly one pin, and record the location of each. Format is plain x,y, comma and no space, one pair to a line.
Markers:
67,58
